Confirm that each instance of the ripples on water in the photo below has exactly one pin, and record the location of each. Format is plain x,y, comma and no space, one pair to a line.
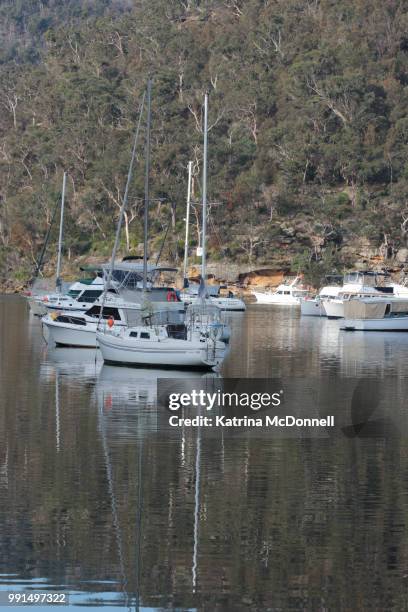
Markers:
96,502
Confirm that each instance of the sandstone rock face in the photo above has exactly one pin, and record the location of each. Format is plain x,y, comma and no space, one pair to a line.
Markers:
402,256
261,278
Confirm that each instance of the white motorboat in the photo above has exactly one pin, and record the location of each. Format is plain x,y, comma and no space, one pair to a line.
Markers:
79,296
74,329
378,314
356,285
190,293
82,293
314,307
79,328
156,346
285,295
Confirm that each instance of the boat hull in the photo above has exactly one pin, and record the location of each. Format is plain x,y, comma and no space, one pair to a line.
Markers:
224,303
71,335
391,324
117,350
229,304
312,308
334,309
271,298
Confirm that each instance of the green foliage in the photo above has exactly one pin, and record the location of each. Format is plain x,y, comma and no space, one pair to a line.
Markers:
315,270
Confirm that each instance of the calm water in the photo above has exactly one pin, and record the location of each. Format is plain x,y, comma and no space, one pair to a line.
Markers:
95,502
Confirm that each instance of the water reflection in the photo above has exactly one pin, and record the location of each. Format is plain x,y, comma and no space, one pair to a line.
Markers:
277,342
79,364
128,398
95,499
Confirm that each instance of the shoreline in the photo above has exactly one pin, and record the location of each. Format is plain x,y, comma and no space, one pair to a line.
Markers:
242,279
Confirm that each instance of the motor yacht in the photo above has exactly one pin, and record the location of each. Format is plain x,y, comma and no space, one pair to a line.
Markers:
79,296
356,285
289,294
82,293
376,314
313,306
78,328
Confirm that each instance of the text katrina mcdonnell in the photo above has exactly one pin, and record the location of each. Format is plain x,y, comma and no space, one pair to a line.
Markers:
266,421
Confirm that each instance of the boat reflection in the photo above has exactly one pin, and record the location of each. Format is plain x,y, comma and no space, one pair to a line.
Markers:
128,397
81,365
368,354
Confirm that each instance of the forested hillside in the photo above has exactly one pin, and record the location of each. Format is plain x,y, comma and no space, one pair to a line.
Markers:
308,139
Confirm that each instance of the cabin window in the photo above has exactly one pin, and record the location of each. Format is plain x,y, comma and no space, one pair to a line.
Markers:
72,293
133,334
107,313
72,320
279,292
127,279
286,292
90,295
145,335
178,331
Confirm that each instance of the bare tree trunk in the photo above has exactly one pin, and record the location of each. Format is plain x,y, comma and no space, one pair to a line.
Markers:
127,232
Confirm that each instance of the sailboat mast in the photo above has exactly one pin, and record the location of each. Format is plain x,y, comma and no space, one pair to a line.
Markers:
58,279
146,186
190,168
204,223
109,275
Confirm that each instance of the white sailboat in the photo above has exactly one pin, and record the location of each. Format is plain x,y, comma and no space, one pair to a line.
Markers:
35,302
285,295
155,345
120,301
78,297
189,295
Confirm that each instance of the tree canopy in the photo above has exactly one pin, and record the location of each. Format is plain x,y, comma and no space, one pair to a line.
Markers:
308,126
